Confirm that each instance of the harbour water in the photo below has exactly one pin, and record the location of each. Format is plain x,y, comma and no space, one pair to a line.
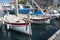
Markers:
39,32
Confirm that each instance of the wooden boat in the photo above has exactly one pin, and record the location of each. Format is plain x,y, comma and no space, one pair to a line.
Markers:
16,23
13,22
37,17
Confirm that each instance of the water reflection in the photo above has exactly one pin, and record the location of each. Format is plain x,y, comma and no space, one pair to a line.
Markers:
39,32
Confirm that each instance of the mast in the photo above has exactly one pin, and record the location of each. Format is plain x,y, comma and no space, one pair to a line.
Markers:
16,6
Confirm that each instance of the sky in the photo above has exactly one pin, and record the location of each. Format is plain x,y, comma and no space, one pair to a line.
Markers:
9,1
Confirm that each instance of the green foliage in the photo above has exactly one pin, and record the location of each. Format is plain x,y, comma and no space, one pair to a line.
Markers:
21,2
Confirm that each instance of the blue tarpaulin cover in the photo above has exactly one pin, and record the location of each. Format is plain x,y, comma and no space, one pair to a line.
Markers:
38,13
23,11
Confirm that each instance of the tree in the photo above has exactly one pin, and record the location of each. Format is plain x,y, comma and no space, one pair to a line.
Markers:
21,1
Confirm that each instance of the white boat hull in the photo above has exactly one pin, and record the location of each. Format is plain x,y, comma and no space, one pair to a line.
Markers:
20,28
53,16
15,23
42,21
23,29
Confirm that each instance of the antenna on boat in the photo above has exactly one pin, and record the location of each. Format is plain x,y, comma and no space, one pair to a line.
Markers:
16,6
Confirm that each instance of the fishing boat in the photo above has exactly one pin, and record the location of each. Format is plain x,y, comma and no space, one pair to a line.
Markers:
38,18
53,14
15,22
35,17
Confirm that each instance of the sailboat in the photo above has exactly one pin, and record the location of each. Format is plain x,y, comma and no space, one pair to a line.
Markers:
37,17
15,22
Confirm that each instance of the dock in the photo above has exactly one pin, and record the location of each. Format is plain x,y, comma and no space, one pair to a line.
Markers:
55,36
